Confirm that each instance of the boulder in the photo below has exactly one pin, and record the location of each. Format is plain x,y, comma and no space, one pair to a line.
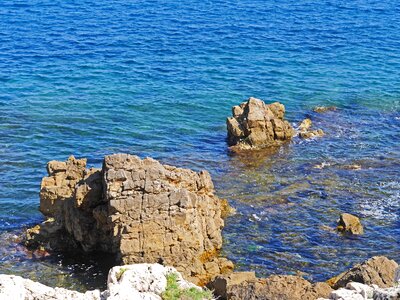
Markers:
350,224
377,270
245,286
137,210
256,125
364,290
225,285
345,294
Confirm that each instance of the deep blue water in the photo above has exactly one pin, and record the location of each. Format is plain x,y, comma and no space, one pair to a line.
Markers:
158,78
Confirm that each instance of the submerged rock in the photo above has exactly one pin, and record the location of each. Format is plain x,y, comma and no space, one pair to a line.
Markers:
256,125
137,210
322,109
350,224
139,282
377,270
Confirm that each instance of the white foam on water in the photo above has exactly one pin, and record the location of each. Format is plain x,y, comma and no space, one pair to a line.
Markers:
384,207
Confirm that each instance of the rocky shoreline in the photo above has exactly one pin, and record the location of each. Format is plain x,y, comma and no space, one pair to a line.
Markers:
157,220
377,278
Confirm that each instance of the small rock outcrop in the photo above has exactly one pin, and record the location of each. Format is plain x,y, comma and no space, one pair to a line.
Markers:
244,285
139,282
350,224
378,270
256,125
305,131
138,210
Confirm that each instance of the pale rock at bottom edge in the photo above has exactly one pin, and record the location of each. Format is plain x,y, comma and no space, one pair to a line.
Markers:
138,281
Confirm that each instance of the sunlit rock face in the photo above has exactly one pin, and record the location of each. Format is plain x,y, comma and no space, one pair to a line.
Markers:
164,213
256,125
138,210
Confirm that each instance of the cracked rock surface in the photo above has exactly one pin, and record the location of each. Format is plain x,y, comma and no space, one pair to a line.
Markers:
136,209
256,125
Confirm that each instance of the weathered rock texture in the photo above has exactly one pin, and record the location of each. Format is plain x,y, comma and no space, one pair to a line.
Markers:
245,285
72,198
350,224
256,125
164,213
138,282
138,210
377,270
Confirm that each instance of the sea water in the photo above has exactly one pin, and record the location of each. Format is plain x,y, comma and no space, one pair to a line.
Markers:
158,78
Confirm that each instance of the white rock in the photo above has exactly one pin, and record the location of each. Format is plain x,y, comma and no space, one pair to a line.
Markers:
147,279
12,287
137,282
387,294
344,294
397,275
18,288
364,290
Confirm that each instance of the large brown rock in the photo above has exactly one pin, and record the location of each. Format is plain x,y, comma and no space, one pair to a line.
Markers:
377,270
138,210
164,213
244,285
256,125
349,223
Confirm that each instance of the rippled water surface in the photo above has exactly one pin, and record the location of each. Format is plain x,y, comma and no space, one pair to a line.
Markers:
158,78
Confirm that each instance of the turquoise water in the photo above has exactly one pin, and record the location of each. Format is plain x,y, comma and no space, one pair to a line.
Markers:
158,78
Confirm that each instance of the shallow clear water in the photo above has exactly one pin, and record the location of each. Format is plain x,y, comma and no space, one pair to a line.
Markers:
158,78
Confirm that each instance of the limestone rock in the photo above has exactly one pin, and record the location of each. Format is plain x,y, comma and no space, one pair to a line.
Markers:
305,125
377,270
305,131
256,125
146,279
283,287
18,288
311,134
72,197
224,286
345,294
392,293
164,213
350,224
364,290
139,282
138,211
